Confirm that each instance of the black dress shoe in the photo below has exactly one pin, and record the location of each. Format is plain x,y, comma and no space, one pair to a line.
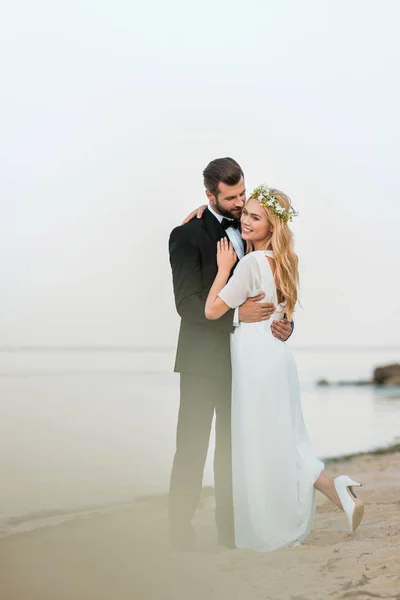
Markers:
183,540
227,543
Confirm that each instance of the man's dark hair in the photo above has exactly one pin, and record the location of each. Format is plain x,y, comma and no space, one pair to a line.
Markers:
226,170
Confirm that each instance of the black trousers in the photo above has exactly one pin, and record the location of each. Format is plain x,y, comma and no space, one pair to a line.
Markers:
200,397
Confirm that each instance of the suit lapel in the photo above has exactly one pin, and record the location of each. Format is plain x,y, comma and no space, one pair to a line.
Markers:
215,231
212,226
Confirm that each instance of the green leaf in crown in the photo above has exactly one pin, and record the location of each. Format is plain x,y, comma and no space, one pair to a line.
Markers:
264,195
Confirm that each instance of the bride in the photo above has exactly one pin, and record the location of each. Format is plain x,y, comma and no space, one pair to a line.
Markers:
275,472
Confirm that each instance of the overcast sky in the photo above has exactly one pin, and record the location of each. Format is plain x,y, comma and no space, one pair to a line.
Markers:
111,110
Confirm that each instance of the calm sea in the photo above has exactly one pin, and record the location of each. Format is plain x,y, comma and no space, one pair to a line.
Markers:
89,430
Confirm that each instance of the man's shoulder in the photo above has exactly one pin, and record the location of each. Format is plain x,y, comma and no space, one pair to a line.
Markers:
187,231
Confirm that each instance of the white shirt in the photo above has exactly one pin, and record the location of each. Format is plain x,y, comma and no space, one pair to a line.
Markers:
237,243
232,233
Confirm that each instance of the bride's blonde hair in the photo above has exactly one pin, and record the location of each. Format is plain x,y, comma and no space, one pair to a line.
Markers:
281,242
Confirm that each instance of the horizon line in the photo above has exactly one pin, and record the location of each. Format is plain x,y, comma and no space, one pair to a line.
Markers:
145,349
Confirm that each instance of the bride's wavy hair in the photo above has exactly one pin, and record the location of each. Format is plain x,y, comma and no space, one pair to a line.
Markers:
280,240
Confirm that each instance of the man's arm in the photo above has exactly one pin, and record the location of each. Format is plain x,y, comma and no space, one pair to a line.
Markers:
190,298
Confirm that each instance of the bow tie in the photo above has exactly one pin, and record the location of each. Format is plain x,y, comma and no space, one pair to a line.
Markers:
230,223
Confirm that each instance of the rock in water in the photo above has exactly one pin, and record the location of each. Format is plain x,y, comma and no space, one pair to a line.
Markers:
388,375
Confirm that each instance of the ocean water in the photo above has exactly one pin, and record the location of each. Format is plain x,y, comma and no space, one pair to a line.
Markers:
83,431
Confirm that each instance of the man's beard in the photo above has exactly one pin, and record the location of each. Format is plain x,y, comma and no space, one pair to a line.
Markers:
231,214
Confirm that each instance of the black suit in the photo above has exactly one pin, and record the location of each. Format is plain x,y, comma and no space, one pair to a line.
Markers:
203,360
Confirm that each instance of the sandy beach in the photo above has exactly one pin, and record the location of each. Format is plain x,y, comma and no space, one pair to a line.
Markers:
124,554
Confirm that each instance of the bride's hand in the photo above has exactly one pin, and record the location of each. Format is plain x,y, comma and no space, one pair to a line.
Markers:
195,213
226,256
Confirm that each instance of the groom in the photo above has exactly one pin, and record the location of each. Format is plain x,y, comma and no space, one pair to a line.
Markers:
203,354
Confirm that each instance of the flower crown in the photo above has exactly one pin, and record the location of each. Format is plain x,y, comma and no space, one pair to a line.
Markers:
267,199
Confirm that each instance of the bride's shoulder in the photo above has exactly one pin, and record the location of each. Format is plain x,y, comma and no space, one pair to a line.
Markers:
249,258
250,262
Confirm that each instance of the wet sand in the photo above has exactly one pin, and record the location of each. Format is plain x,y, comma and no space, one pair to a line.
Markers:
124,554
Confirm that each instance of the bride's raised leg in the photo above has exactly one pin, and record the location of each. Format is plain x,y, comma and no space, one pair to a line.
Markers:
326,486
340,491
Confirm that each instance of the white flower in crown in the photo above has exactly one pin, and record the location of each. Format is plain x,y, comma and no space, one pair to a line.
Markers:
267,199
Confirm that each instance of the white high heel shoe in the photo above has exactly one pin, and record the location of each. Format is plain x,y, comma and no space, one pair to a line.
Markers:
352,506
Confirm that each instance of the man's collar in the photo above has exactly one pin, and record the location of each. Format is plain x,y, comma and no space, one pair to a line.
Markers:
216,215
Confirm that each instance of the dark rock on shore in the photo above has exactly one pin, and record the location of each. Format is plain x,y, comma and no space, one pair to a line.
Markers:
387,375
325,382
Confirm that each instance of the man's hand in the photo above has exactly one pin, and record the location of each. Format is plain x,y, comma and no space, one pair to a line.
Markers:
253,311
195,213
281,329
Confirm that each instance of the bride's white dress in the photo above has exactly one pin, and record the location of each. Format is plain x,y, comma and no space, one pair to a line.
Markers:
274,468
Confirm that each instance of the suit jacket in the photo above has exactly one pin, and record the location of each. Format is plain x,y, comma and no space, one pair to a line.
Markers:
203,345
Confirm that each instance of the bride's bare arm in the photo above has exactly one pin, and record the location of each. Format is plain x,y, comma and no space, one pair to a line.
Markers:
226,259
